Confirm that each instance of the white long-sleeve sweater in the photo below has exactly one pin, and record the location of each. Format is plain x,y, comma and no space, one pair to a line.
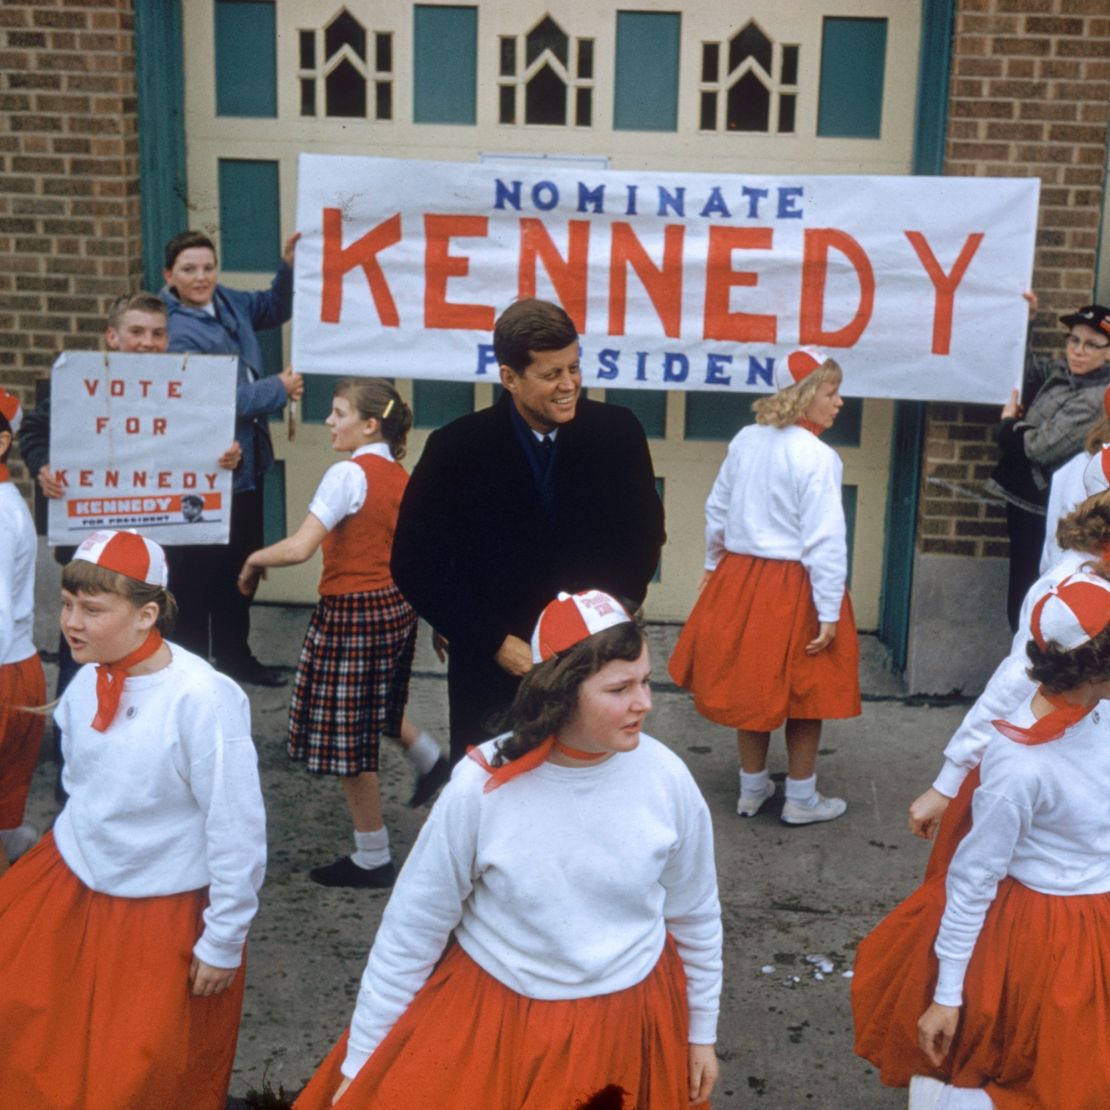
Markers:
1006,689
167,799
777,496
1041,816
563,883
17,576
1064,494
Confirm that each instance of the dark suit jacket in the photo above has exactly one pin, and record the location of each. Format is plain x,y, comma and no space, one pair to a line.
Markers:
474,552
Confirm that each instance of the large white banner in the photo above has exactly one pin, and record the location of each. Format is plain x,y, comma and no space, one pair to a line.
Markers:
136,439
675,280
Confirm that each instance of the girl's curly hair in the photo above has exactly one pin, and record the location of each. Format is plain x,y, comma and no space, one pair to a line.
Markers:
548,694
1058,670
783,408
1087,527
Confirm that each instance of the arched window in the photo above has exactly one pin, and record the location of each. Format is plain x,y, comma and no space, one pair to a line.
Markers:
336,56
756,90
554,85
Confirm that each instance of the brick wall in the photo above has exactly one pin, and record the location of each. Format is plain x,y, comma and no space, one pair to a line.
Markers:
69,179
1030,97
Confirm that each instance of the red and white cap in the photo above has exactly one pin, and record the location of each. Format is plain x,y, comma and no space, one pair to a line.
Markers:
1072,612
571,618
798,365
11,410
1096,474
126,553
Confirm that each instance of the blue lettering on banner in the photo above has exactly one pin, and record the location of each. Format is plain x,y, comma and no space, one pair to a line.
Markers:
715,369
593,197
608,359
486,358
764,371
641,366
669,200
676,366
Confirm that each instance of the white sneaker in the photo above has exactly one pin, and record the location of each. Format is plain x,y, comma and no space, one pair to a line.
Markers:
749,805
19,841
824,809
925,1093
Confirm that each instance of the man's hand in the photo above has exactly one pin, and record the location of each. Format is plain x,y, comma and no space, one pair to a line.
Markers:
926,812
289,251
49,485
936,1029
207,980
514,656
826,633
231,458
1011,410
293,382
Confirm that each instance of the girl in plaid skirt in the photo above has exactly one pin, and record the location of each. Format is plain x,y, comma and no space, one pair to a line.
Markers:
353,677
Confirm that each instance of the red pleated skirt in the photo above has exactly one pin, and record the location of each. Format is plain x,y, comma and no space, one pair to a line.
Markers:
1035,1025
95,1008
742,650
468,1041
21,684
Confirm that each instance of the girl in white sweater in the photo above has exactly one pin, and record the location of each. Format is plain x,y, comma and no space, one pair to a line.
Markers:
772,638
555,934
122,933
989,986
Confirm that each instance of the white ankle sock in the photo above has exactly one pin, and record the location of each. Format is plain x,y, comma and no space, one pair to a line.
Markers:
423,753
754,784
371,848
964,1098
802,791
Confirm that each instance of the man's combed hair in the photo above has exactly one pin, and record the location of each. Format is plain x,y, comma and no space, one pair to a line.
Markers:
528,326
142,301
783,408
547,696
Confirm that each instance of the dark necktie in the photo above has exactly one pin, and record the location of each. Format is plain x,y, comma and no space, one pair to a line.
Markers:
547,446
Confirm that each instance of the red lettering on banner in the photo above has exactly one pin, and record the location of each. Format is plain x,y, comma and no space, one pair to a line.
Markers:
440,265
60,478
111,479
131,425
116,387
339,260
211,479
138,479
91,386
663,284
944,284
189,480
145,387
86,478
173,389
720,278
815,272
159,426
164,479
568,275
101,424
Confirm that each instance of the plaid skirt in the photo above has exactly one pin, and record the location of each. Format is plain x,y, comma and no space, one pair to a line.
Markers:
352,681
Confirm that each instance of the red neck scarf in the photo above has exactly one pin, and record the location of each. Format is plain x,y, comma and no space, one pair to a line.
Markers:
1049,727
809,426
5,473
110,676
498,776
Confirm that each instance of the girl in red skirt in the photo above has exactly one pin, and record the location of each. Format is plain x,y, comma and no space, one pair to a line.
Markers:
991,986
122,932
22,682
772,637
554,938
353,676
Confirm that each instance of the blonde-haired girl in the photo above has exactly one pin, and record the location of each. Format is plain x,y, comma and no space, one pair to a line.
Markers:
353,676
772,637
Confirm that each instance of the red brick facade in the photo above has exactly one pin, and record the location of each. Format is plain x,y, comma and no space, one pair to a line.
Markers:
1030,97
69,178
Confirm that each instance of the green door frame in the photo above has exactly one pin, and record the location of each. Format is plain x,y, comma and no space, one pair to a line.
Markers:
908,438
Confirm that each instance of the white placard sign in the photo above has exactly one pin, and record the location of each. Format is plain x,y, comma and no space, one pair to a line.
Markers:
675,280
136,439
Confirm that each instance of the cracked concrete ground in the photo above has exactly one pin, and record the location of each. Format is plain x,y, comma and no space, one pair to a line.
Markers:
787,893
